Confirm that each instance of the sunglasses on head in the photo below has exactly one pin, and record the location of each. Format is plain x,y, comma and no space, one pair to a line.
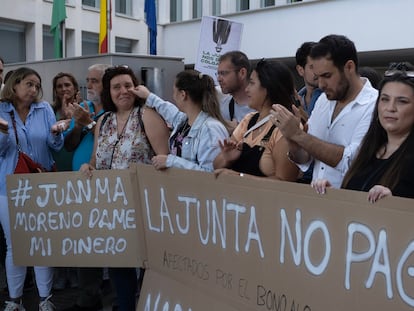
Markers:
402,68
116,68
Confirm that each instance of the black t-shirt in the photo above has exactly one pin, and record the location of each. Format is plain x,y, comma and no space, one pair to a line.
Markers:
372,173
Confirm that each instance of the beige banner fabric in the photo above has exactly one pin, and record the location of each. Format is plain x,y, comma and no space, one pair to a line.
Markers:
268,245
163,293
241,243
65,219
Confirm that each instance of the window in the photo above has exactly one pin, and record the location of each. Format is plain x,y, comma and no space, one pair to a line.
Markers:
90,43
176,10
48,46
92,3
123,45
123,7
242,5
15,49
197,8
216,7
266,3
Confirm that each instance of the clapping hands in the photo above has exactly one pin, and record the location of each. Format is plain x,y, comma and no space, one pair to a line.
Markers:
60,126
230,150
68,107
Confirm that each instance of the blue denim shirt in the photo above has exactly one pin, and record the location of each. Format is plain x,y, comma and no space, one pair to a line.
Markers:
35,138
201,145
315,95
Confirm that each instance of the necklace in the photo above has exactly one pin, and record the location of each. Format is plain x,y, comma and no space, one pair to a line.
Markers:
121,133
186,128
177,139
119,137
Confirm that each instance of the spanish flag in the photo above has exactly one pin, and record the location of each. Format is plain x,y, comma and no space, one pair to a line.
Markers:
103,30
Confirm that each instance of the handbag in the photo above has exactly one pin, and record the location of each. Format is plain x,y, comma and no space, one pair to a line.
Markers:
25,163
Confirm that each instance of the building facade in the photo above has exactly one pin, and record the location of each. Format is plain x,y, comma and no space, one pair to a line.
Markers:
383,30
25,26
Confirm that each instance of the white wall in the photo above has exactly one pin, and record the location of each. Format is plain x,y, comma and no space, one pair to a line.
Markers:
275,32
278,31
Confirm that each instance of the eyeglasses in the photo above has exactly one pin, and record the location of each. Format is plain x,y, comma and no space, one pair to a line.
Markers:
224,73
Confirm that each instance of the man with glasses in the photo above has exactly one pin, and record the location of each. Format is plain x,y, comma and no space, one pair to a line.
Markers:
80,140
80,134
341,116
233,75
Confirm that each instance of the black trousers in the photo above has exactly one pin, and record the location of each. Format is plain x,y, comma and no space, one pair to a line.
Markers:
3,247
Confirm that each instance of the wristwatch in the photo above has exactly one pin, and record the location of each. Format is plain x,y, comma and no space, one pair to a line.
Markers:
91,125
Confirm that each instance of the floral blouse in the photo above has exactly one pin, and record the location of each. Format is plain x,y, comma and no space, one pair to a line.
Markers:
117,150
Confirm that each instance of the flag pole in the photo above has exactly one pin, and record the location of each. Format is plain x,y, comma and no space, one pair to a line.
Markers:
108,24
63,36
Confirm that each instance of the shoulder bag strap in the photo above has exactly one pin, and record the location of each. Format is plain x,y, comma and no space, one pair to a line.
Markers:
269,133
104,118
141,122
15,130
231,108
253,120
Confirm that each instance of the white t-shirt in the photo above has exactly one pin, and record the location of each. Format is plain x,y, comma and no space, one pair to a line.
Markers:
348,129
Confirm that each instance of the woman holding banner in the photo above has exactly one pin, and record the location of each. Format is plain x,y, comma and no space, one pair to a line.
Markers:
384,165
26,125
127,133
256,146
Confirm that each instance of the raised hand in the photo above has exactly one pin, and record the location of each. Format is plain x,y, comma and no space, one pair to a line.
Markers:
230,150
82,115
286,121
68,108
140,91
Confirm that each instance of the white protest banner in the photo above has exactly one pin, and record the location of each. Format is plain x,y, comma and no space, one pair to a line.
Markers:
267,245
217,36
65,219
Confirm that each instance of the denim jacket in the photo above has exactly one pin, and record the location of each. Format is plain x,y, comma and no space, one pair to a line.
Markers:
201,145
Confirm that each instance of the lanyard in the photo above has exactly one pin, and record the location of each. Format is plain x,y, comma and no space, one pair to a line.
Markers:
257,125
